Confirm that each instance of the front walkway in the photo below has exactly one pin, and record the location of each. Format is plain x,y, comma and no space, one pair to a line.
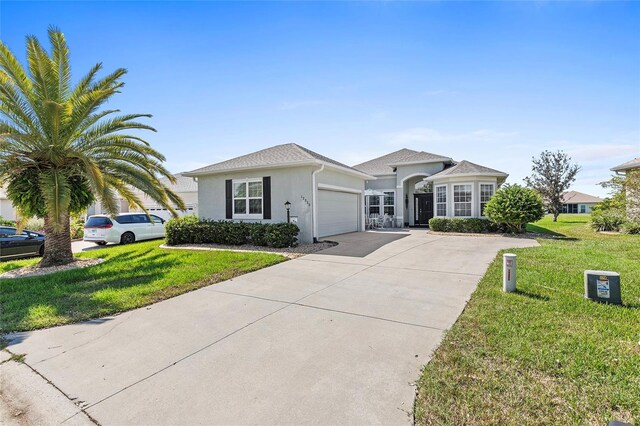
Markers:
323,339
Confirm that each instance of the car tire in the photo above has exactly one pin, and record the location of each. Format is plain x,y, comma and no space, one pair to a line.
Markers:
101,243
127,238
41,251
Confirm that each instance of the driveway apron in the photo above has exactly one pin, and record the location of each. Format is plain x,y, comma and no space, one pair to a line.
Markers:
321,339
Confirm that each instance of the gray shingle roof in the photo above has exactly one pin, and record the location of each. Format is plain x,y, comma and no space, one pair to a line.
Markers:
183,184
276,155
467,168
632,164
574,197
382,165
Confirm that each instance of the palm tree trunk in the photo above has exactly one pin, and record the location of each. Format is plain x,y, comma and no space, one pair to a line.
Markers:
57,244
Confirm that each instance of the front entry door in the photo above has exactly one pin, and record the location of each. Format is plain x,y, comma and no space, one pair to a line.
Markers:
423,209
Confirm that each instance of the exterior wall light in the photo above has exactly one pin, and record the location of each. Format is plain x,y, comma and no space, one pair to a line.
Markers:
287,205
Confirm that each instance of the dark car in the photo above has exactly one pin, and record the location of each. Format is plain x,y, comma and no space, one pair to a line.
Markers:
26,243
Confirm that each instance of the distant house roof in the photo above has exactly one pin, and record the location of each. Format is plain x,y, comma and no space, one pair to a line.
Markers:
632,164
575,197
183,184
467,168
384,165
289,154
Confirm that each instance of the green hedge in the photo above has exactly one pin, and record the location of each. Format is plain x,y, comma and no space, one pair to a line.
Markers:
6,222
191,230
465,225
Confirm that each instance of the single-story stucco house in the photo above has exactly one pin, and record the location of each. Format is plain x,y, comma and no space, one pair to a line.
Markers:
327,197
633,197
578,202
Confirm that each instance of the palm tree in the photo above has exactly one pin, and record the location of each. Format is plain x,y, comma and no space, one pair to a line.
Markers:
60,150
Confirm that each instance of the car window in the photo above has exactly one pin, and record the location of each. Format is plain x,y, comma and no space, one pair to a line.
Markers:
140,218
5,232
156,219
124,219
98,221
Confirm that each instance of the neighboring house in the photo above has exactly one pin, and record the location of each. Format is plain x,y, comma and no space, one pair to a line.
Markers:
7,211
327,197
452,189
578,202
97,208
185,187
633,197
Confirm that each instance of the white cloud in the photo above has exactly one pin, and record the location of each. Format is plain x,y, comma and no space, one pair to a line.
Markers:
423,136
598,152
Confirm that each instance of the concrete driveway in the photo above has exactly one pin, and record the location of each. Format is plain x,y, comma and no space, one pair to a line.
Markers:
323,339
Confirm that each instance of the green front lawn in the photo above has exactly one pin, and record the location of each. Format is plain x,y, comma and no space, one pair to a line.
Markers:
132,276
544,355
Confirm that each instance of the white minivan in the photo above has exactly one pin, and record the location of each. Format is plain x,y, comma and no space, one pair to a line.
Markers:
124,228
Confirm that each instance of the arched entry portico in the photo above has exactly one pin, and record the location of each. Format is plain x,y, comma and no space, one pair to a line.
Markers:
417,200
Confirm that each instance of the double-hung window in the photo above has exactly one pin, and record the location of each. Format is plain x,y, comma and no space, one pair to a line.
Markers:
441,200
486,192
247,198
373,204
462,200
389,200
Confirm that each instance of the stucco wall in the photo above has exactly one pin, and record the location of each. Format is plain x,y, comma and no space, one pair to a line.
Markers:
7,211
381,184
332,177
287,184
423,169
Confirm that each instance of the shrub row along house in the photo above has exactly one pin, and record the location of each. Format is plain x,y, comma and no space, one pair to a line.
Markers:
326,197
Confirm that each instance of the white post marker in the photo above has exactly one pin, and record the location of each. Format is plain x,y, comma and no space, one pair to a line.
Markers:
509,272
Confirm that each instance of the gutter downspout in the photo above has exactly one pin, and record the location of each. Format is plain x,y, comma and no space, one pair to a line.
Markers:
314,201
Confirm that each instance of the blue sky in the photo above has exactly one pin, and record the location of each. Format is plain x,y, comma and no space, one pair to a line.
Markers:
492,83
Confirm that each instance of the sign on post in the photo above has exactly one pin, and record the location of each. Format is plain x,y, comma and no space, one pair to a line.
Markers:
509,272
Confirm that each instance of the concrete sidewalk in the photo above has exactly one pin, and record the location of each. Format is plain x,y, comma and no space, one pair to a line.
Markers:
317,340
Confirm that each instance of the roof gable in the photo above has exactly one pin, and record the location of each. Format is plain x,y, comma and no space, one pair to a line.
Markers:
383,165
467,168
279,155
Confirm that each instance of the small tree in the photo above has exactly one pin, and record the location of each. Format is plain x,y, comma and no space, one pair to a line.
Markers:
514,206
552,175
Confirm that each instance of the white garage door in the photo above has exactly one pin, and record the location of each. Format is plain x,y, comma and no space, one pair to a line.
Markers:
337,212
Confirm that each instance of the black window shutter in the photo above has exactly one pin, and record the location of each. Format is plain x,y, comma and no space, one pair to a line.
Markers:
266,197
228,189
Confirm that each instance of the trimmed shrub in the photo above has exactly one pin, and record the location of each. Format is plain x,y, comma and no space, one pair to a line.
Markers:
5,222
463,225
191,230
513,206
